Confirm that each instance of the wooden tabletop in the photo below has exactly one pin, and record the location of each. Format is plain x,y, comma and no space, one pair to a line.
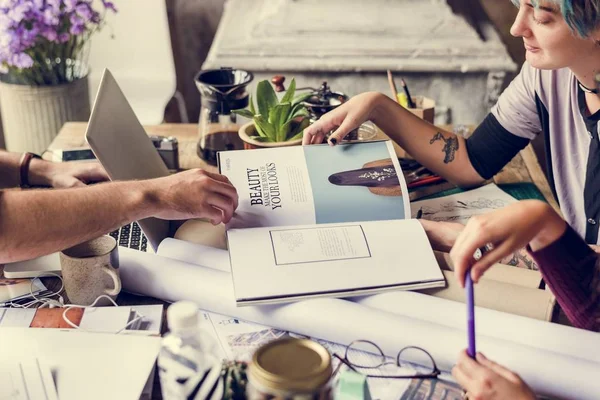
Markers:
523,168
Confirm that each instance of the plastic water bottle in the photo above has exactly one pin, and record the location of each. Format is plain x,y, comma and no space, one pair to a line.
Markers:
189,367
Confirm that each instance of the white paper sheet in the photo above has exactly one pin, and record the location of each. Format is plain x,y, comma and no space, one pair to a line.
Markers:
195,254
342,321
462,206
86,365
16,317
25,379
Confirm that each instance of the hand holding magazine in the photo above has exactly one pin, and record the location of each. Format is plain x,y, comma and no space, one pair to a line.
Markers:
344,210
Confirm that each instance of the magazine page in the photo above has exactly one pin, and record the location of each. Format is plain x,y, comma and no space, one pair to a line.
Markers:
305,185
273,265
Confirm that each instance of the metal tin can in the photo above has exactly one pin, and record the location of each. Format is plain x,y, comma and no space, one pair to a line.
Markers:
298,369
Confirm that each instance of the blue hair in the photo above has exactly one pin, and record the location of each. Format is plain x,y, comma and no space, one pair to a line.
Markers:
582,16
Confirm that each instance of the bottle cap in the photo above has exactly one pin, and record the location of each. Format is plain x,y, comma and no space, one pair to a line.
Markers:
182,315
291,364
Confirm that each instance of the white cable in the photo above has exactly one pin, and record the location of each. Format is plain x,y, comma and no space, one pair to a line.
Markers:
103,296
47,301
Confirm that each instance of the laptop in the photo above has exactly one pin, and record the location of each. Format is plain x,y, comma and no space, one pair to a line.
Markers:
122,146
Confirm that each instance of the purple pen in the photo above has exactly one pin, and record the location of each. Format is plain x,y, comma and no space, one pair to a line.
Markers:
470,314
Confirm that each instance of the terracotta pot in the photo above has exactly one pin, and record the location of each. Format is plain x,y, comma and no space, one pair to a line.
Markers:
248,130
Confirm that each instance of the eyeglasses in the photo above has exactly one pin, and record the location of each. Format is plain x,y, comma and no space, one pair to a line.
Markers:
365,357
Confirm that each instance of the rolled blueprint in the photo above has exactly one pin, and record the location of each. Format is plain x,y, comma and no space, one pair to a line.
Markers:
500,296
342,321
542,335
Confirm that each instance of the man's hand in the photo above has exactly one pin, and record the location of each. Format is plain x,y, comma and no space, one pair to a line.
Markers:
65,174
486,380
193,194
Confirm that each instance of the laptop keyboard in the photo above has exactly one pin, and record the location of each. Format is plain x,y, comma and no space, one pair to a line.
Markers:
131,236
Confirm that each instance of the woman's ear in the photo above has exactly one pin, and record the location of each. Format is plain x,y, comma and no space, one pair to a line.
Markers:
595,36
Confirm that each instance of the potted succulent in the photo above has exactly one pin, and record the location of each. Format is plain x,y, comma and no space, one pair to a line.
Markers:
275,123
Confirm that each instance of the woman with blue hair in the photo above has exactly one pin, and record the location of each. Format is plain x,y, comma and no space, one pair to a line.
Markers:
556,94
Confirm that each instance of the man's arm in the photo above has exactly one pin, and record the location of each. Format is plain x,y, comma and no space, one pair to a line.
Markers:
39,222
46,173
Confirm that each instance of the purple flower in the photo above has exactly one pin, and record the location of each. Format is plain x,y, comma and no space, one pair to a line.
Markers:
26,27
50,34
22,60
109,5
17,12
63,37
51,16
70,4
84,11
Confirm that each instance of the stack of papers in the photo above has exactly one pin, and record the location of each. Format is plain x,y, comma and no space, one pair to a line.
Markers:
19,290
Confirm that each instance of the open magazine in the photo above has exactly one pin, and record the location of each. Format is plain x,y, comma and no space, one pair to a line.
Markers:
305,185
323,221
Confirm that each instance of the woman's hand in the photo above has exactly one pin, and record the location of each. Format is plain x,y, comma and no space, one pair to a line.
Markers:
507,230
65,174
343,119
442,235
486,380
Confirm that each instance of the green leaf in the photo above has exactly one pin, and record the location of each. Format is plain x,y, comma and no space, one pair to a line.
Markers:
252,109
278,114
298,130
244,113
289,94
296,108
259,138
300,98
259,131
300,112
298,135
265,97
284,131
267,129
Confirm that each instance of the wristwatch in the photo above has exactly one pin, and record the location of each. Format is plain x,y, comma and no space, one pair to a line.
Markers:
24,169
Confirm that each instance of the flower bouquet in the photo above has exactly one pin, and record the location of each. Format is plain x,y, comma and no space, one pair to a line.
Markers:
43,66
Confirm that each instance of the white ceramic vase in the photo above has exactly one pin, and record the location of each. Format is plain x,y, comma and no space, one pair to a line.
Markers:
32,116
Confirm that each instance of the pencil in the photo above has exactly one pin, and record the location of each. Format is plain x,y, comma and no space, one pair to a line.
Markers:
425,181
470,315
411,103
393,86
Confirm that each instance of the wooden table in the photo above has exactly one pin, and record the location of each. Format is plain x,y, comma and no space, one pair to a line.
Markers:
523,168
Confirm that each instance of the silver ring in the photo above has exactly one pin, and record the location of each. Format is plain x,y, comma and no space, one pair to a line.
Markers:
480,252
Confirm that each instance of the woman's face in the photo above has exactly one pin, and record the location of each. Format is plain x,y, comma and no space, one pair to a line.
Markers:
548,40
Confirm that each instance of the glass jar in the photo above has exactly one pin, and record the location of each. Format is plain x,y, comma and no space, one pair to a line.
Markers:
290,369
222,91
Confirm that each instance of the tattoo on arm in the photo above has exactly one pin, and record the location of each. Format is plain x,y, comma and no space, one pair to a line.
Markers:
520,259
450,146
